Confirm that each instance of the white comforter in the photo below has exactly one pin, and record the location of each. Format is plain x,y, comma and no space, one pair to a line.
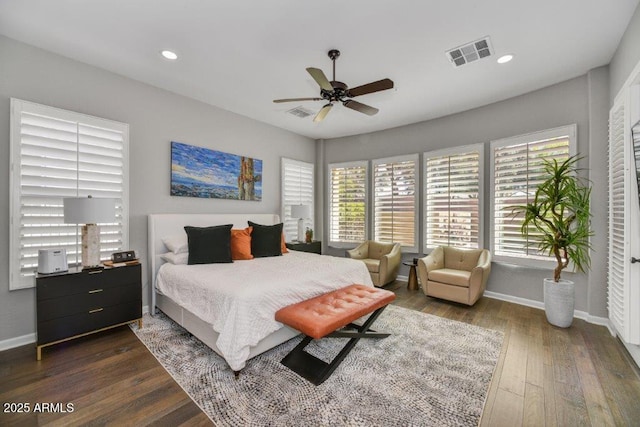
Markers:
240,299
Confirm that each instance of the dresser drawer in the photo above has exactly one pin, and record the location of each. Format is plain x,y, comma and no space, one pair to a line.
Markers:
69,326
81,282
90,299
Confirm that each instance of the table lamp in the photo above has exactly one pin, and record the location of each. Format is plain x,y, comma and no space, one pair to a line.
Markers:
89,211
301,212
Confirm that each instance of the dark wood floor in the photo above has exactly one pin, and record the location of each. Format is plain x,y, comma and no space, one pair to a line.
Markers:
545,376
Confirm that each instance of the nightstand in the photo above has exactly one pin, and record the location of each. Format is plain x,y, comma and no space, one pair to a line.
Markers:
78,303
313,247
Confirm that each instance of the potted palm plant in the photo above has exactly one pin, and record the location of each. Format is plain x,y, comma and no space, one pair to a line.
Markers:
559,221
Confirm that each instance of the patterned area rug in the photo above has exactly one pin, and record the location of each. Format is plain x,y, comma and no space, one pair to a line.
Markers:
430,371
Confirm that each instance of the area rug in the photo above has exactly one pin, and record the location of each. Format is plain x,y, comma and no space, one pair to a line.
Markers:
430,371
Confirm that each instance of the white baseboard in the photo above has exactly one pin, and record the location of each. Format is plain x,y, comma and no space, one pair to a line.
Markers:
17,341
31,338
578,314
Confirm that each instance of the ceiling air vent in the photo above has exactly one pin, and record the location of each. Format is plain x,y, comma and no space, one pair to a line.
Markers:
470,52
300,112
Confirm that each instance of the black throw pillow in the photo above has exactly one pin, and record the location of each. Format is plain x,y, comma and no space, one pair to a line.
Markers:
209,245
266,240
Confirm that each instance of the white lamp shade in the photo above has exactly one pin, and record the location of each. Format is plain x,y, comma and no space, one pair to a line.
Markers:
89,210
300,211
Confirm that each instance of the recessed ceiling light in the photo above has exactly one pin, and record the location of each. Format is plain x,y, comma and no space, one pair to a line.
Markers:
167,54
504,59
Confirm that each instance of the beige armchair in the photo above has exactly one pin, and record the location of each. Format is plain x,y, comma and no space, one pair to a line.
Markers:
455,274
382,260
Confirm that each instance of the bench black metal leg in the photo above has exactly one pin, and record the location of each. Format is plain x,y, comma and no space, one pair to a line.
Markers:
316,370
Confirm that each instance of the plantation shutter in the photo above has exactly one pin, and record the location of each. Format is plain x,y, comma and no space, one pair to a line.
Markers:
57,154
518,170
297,189
452,199
623,288
394,201
347,202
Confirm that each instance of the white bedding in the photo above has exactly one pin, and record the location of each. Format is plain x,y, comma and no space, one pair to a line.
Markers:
240,299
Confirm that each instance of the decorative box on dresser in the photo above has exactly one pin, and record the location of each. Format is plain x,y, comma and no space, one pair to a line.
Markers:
77,303
313,247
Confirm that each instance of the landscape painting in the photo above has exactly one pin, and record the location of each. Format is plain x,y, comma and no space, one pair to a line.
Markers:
211,174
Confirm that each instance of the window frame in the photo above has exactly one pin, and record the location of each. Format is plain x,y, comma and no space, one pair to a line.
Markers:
416,207
452,151
571,132
284,212
367,171
18,106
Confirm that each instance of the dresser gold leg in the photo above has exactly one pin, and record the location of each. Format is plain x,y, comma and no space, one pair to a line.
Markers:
140,323
38,352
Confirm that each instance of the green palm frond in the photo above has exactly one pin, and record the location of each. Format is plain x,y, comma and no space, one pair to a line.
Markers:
560,213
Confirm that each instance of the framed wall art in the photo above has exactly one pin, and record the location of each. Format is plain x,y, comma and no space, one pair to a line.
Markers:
202,172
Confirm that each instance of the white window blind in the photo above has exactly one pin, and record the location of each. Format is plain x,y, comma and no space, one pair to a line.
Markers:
618,270
56,154
452,189
394,201
347,203
297,189
517,172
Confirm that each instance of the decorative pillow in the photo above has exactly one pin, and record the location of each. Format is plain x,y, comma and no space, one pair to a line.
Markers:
241,243
177,259
177,244
266,240
208,245
283,246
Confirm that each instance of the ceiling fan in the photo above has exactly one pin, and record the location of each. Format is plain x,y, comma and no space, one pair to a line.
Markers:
335,91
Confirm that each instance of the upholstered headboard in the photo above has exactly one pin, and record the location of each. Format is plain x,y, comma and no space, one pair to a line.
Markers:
165,225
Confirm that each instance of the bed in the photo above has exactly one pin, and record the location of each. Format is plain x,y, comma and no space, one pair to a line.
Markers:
231,307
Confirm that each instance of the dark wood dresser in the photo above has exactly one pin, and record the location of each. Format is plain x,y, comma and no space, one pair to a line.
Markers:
77,303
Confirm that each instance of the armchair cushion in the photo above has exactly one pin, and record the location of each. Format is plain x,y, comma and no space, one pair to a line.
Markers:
450,276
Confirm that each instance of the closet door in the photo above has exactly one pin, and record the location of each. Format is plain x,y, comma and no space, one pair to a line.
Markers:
624,230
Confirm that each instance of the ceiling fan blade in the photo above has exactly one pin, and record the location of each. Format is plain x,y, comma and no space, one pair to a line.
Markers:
277,101
360,107
320,78
322,113
383,84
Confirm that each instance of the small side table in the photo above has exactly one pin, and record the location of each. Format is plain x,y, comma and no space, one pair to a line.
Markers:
413,276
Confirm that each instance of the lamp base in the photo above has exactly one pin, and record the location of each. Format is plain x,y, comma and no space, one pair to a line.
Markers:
90,246
301,230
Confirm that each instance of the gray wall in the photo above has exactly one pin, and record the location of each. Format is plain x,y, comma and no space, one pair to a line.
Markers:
558,105
155,117
626,57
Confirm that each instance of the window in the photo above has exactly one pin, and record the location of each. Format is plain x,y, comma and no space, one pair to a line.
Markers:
297,189
517,170
56,154
394,201
452,197
347,203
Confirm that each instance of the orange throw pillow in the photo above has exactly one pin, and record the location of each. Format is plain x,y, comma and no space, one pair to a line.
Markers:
283,248
241,243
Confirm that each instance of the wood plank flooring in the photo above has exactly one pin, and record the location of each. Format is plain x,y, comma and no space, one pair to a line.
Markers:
545,376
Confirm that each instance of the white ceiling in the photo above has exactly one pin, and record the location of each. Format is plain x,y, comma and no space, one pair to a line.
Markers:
240,55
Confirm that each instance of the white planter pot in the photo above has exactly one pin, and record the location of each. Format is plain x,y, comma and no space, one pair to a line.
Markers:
559,300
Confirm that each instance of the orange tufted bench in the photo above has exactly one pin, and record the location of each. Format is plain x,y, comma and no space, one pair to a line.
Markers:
322,316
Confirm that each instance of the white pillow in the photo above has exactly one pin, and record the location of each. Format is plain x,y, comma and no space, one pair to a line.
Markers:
177,259
177,244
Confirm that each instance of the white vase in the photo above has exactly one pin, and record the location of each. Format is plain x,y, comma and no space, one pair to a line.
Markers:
559,301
